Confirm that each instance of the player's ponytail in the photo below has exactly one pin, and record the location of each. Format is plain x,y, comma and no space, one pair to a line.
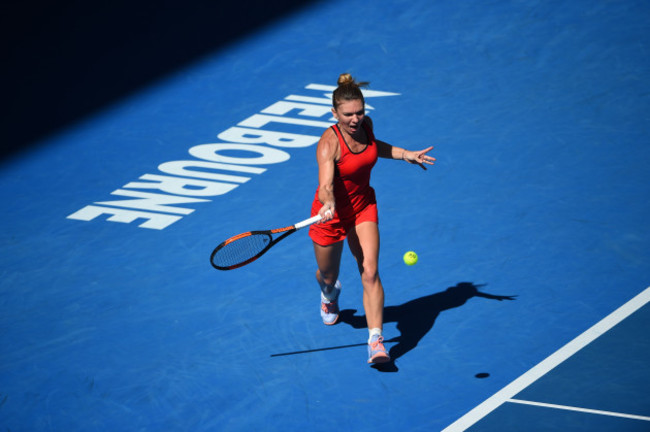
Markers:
348,89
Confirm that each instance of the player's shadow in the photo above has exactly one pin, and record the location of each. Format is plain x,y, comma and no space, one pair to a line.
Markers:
416,318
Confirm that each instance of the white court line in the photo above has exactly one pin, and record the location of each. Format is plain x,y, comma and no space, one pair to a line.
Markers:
546,365
583,410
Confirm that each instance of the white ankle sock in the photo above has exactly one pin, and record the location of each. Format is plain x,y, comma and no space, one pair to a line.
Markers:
374,332
328,291
330,295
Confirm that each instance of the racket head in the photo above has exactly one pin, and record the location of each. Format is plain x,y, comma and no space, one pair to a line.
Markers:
241,249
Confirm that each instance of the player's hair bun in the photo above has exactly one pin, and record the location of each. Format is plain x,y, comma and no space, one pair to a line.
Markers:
345,79
348,89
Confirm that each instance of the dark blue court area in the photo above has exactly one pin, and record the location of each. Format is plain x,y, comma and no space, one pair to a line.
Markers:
137,138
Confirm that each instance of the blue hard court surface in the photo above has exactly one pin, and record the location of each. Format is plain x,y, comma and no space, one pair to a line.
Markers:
531,227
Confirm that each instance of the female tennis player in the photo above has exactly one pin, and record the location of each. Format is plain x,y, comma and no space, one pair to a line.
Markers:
346,154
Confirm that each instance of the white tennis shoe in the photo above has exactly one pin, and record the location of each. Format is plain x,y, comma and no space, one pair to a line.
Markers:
329,309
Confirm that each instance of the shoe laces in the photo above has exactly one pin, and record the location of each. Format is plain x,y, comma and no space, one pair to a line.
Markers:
378,344
330,307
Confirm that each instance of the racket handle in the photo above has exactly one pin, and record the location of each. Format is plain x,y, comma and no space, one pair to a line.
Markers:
308,222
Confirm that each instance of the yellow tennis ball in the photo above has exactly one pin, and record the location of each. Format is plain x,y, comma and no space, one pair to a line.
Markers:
410,258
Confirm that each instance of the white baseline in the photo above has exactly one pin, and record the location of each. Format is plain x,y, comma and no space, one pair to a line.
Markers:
509,391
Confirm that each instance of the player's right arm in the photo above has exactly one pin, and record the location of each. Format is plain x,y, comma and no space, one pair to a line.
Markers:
327,153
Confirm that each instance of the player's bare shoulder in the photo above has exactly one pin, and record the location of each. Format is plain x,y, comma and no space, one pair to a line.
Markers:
328,146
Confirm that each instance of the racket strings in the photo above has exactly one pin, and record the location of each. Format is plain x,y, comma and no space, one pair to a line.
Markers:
241,250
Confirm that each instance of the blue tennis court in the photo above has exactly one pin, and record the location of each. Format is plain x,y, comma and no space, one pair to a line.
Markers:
528,307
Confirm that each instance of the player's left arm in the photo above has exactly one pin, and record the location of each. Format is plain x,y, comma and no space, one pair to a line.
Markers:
388,151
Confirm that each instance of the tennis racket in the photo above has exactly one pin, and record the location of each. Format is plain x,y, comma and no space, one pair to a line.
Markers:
245,248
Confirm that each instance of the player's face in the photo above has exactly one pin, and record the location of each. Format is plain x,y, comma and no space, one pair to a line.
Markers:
350,115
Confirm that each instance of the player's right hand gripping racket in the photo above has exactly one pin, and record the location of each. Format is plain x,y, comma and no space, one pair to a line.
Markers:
245,248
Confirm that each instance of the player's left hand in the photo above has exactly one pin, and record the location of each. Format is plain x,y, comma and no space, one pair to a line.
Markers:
419,157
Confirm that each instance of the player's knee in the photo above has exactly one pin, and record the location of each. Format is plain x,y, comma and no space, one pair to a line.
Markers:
369,275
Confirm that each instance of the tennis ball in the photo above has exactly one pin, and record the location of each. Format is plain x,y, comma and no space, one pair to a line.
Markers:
410,258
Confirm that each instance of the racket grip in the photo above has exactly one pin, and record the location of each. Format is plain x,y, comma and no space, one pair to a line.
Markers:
308,222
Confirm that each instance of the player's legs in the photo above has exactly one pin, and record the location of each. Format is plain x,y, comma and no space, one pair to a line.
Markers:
364,245
328,259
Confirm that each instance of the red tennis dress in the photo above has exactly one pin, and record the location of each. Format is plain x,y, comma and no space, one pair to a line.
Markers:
355,198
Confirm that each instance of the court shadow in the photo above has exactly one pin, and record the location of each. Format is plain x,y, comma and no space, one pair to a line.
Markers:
67,60
416,318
